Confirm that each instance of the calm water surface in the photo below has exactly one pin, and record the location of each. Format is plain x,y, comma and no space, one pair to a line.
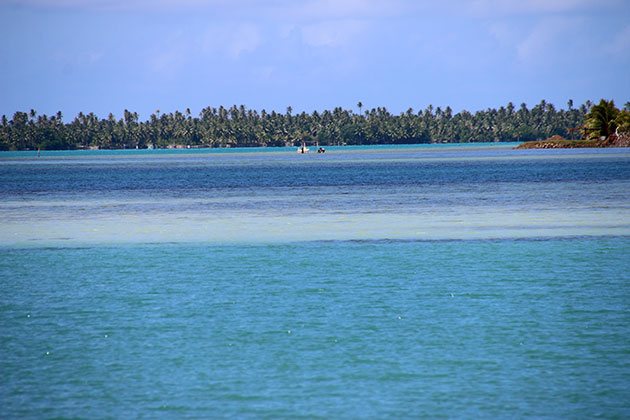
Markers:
468,281
421,192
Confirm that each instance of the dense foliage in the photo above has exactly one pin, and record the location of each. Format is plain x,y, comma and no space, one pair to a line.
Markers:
605,120
238,126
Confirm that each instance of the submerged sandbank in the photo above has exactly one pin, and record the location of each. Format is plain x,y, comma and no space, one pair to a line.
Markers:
250,228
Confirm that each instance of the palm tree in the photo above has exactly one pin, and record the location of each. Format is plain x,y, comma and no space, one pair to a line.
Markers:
601,121
623,123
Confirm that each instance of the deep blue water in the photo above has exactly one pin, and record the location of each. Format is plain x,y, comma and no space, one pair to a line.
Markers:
528,325
363,179
198,175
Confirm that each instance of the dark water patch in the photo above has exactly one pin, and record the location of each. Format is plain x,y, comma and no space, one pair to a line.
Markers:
175,176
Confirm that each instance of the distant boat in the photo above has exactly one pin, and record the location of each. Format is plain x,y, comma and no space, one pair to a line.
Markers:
303,149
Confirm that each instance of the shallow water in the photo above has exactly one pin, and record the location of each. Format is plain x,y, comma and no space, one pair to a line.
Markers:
473,281
330,329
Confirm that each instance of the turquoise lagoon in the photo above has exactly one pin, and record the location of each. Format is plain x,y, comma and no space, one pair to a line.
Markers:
415,281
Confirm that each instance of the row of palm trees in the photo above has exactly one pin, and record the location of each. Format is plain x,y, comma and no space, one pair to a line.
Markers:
239,126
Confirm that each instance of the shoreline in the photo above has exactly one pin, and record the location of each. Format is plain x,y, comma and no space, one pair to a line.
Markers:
367,148
558,142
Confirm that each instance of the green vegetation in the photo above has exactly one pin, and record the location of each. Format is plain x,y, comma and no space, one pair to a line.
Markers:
605,120
242,127
604,126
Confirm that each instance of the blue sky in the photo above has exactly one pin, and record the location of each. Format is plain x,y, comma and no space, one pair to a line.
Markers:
109,55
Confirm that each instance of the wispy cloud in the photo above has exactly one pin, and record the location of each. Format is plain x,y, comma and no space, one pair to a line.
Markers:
232,40
168,56
246,38
341,9
547,42
620,44
521,7
167,62
264,73
314,52
316,9
117,5
64,4
333,33
502,32
79,59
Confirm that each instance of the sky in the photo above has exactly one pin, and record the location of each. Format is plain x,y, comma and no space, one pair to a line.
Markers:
106,56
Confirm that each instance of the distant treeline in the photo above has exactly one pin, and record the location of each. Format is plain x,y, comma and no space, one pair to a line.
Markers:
239,126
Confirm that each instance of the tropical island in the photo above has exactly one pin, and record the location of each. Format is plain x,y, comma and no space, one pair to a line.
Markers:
588,125
605,126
